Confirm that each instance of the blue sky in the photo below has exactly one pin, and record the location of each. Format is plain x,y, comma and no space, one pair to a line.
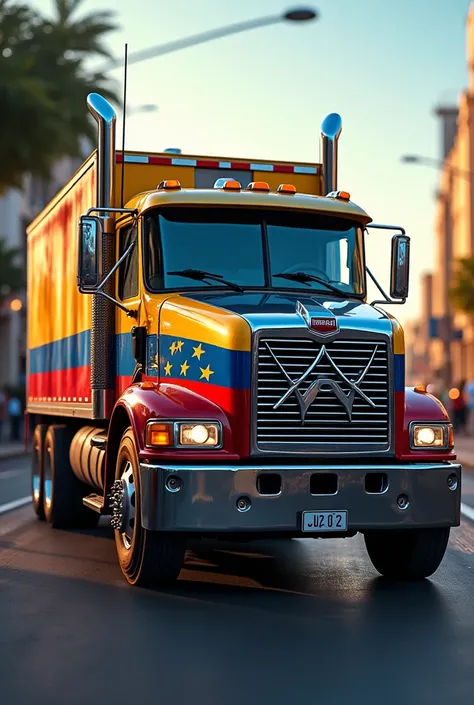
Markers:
263,94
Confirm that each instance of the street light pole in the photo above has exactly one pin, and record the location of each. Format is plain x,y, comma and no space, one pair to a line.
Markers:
294,15
436,163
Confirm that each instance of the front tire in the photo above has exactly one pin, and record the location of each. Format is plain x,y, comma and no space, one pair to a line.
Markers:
407,554
62,491
37,472
147,558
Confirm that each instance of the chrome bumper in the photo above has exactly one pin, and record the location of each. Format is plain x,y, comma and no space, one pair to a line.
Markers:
205,499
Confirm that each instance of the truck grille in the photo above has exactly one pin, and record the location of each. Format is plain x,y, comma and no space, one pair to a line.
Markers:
322,396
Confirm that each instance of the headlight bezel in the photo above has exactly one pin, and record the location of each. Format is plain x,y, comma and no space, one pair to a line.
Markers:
176,425
446,427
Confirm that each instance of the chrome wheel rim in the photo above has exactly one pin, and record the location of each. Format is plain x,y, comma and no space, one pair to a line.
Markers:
48,478
123,503
35,474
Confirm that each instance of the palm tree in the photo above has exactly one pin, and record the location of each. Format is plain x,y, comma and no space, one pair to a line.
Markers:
462,289
44,83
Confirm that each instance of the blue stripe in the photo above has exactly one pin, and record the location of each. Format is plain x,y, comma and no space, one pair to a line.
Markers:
305,170
399,370
64,354
125,363
201,362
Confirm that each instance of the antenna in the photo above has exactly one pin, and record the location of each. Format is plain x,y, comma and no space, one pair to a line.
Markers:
123,123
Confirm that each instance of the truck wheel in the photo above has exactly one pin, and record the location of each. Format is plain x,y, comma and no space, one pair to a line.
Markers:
63,492
147,558
407,554
37,458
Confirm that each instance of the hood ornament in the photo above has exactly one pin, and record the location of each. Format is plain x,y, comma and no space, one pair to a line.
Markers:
323,324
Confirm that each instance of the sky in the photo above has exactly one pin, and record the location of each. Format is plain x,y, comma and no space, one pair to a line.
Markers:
382,65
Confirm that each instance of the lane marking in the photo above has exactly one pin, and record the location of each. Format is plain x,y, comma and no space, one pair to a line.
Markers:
4,508
467,511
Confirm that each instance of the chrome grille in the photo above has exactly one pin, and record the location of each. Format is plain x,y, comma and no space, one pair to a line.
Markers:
341,401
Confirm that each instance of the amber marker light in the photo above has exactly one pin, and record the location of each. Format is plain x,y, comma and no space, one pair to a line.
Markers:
258,186
286,188
159,434
227,184
16,305
169,185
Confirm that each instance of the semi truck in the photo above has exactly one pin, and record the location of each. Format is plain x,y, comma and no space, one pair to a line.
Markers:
203,361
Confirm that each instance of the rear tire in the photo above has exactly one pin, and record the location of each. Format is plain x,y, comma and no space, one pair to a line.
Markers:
37,460
147,558
407,554
63,492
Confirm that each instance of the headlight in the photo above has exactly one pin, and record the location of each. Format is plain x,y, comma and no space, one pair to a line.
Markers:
198,434
183,434
437,436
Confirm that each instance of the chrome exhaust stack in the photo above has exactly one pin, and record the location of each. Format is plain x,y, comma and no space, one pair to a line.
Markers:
103,313
106,119
331,129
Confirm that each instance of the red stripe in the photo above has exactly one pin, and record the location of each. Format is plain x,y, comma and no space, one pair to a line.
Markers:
284,168
119,158
60,384
165,161
241,165
206,164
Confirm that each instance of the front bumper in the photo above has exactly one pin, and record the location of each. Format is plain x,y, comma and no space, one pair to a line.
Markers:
206,501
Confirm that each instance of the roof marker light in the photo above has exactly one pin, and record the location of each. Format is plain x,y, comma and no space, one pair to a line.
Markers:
340,195
286,188
227,184
258,186
169,185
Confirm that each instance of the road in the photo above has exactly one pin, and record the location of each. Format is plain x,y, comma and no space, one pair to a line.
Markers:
283,623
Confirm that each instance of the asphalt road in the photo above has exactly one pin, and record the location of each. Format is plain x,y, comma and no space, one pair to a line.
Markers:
277,623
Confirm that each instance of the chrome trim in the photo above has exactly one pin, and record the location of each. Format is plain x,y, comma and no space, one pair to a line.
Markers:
80,411
177,423
319,449
331,129
432,424
106,118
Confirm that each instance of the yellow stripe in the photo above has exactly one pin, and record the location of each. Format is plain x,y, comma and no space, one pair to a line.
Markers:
184,318
398,336
56,309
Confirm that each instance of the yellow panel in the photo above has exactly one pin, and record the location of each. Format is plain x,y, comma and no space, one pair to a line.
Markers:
185,318
304,183
146,177
398,336
56,309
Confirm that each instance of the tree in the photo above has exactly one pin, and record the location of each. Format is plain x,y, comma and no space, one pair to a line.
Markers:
11,271
44,83
462,289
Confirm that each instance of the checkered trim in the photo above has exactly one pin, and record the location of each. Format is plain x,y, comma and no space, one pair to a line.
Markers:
211,164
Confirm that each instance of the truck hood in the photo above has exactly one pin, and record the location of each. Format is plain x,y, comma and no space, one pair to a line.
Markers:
287,310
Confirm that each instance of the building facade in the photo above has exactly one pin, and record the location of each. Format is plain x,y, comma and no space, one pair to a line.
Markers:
444,346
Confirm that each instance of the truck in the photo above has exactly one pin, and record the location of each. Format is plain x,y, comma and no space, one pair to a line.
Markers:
203,361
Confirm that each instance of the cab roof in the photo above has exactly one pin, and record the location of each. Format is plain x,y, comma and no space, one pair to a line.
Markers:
271,200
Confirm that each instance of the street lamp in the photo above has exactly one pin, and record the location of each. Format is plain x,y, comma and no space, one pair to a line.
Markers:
436,163
301,14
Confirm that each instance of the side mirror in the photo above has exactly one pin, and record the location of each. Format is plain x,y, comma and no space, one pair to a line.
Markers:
400,267
89,267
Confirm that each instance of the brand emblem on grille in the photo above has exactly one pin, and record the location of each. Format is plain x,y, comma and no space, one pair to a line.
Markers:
306,398
322,325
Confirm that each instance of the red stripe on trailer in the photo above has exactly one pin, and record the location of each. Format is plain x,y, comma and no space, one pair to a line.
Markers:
165,161
207,164
118,158
284,169
244,166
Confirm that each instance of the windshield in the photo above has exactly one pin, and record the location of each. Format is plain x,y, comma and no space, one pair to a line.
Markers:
253,249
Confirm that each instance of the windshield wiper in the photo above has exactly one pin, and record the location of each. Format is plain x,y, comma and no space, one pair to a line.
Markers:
201,275
305,278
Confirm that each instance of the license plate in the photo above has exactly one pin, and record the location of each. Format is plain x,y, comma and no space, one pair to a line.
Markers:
325,521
